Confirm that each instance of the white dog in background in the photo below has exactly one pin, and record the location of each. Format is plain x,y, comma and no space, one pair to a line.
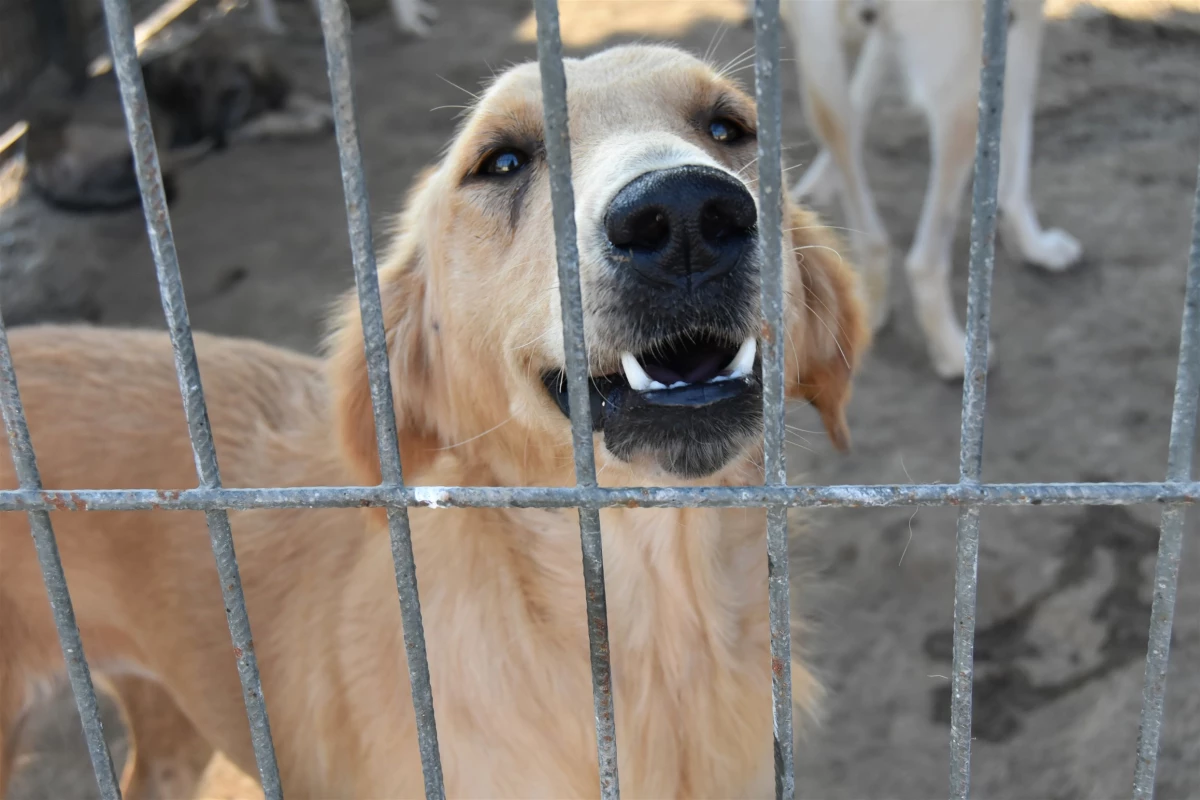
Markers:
938,46
411,16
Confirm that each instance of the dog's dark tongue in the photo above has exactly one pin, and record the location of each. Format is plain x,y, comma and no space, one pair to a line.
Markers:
690,367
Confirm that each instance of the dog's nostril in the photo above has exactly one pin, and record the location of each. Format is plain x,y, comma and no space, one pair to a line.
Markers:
719,223
648,230
725,220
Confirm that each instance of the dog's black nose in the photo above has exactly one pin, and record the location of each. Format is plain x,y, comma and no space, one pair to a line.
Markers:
682,225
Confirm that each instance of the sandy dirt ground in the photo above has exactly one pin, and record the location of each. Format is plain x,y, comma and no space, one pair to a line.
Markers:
1082,389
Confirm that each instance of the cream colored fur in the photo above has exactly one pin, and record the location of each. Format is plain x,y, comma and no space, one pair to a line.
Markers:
470,304
936,44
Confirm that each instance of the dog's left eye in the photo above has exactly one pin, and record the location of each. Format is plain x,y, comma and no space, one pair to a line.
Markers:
504,162
725,131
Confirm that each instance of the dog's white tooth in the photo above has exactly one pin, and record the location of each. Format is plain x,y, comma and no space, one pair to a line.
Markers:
655,386
743,363
639,381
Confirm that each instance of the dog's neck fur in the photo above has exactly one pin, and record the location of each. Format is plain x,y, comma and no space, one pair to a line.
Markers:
686,591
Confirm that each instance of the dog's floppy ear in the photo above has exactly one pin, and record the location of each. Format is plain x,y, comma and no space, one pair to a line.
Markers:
402,289
827,330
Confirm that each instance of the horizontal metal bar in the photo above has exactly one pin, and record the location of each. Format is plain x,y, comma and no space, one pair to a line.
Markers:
847,496
335,26
562,198
1170,542
123,47
55,580
974,398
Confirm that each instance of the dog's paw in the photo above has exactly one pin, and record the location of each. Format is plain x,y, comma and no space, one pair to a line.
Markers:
1055,250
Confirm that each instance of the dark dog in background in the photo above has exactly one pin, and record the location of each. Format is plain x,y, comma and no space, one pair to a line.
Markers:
203,95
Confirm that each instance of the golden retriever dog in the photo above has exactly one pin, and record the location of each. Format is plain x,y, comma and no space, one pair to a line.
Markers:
664,161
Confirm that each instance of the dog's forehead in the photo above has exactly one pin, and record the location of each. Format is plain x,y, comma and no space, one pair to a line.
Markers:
618,79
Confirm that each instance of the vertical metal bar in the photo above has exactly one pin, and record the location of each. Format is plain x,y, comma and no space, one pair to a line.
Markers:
768,97
1170,540
170,282
558,154
80,676
335,25
979,298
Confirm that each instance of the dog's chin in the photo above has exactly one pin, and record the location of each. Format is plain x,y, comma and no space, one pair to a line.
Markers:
690,406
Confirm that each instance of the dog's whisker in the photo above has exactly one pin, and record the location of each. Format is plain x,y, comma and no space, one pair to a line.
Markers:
802,445
461,89
714,42
540,337
742,169
736,60
477,436
910,537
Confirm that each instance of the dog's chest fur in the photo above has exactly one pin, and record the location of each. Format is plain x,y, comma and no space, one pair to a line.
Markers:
689,643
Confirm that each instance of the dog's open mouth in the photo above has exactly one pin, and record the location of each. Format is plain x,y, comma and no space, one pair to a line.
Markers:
689,401
681,364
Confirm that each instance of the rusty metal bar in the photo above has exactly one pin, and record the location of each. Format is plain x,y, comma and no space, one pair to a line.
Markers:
335,25
793,496
1170,540
769,100
170,283
78,672
979,298
562,195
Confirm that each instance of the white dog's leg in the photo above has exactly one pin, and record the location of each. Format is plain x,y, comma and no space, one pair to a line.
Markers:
1022,234
943,83
818,183
822,68
268,17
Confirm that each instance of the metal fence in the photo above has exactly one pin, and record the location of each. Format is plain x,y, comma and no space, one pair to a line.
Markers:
969,494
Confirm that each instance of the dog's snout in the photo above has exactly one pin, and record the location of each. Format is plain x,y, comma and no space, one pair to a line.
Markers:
691,223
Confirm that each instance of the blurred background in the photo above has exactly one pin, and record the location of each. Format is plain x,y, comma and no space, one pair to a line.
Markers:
1081,390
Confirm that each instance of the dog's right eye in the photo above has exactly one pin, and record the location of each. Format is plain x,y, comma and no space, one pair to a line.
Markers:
501,163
